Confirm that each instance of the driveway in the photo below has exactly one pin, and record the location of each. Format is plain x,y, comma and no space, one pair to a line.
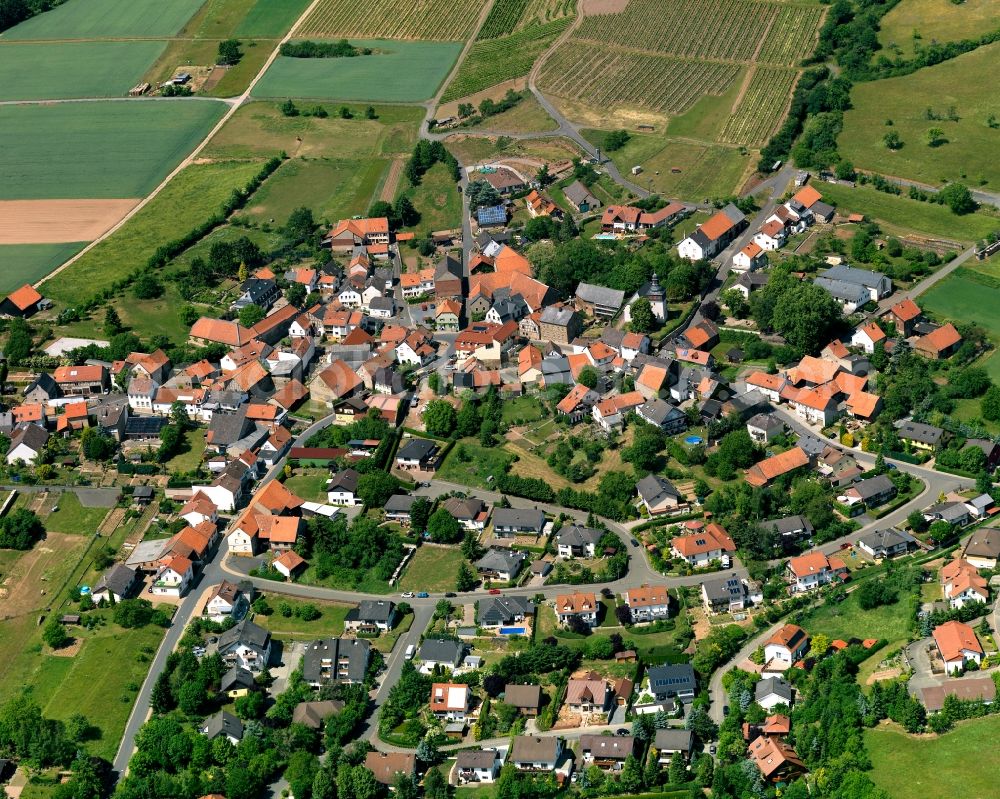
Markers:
918,658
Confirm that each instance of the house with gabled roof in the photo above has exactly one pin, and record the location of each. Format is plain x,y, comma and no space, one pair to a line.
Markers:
958,645
905,315
22,302
765,472
699,549
814,569
581,605
786,646
940,343
714,235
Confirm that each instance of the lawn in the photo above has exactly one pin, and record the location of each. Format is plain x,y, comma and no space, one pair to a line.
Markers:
433,569
935,767
332,189
260,130
309,484
706,170
935,20
904,214
470,464
86,19
848,620
399,72
522,410
437,199
98,150
72,517
26,263
31,71
194,446
968,153
270,18
960,297
101,681
329,625
186,202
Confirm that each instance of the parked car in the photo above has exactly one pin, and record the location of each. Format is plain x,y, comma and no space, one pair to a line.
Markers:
411,650
450,594
621,731
495,591
407,595
423,595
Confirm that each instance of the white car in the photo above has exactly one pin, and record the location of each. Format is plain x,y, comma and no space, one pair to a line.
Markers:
407,595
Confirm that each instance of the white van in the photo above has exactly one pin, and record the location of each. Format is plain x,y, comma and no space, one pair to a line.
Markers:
411,650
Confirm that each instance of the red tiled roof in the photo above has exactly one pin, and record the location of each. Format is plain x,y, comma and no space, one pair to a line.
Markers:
24,297
954,637
762,473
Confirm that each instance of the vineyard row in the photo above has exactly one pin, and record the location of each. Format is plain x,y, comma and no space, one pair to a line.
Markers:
438,20
761,107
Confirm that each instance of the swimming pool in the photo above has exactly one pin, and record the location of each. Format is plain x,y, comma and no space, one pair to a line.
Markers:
512,631
694,440
606,237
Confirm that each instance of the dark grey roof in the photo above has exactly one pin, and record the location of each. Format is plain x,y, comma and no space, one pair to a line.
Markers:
735,215
247,633
31,435
228,428
534,749
258,289
653,489
375,610
442,651
753,280
659,412
578,194
448,268
46,383
416,449
501,560
556,370
355,651
889,537
502,609
347,480
382,304
790,525
774,685
577,536
984,543
873,486
843,290
672,678
400,503
616,747
222,723
118,580
673,739
462,509
519,517
723,588
765,421
553,315
237,677
859,277
917,431
600,295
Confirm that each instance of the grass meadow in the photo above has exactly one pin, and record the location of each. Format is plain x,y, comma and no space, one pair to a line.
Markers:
270,17
960,297
437,199
399,72
192,196
432,569
705,170
848,619
26,263
969,154
935,767
86,19
98,150
935,20
330,624
32,71
902,214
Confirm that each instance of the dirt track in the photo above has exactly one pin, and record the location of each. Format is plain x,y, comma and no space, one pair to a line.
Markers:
58,221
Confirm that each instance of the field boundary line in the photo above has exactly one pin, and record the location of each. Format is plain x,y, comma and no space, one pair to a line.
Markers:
234,105
435,101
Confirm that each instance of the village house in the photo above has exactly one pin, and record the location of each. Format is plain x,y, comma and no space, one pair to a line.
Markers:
606,751
580,197
940,343
610,413
228,600
786,647
387,766
772,692
713,236
962,584
574,541
443,653
371,616
508,522
872,491
589,694
725,594
919,435
342,488
500,564
579,605
982,549
598,301
117,583
750,258
246,645
958,646
477,766
173,577
762,474
700,549
535,753
502,611
887,543
672,681
526,698
814,569
417,454
775,759
658,495
449,701
672,741
905,315
648,603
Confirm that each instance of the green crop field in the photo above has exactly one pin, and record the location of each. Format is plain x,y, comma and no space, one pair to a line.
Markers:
333,189
191,197
967,295
904,214
399,72
33,71
26,263
99,150
86,19
496,60
438,20
935,767
271,17
969,152
260,130
935,21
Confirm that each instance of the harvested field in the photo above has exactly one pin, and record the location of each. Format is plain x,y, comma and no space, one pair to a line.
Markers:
439,20
391,183
58,221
